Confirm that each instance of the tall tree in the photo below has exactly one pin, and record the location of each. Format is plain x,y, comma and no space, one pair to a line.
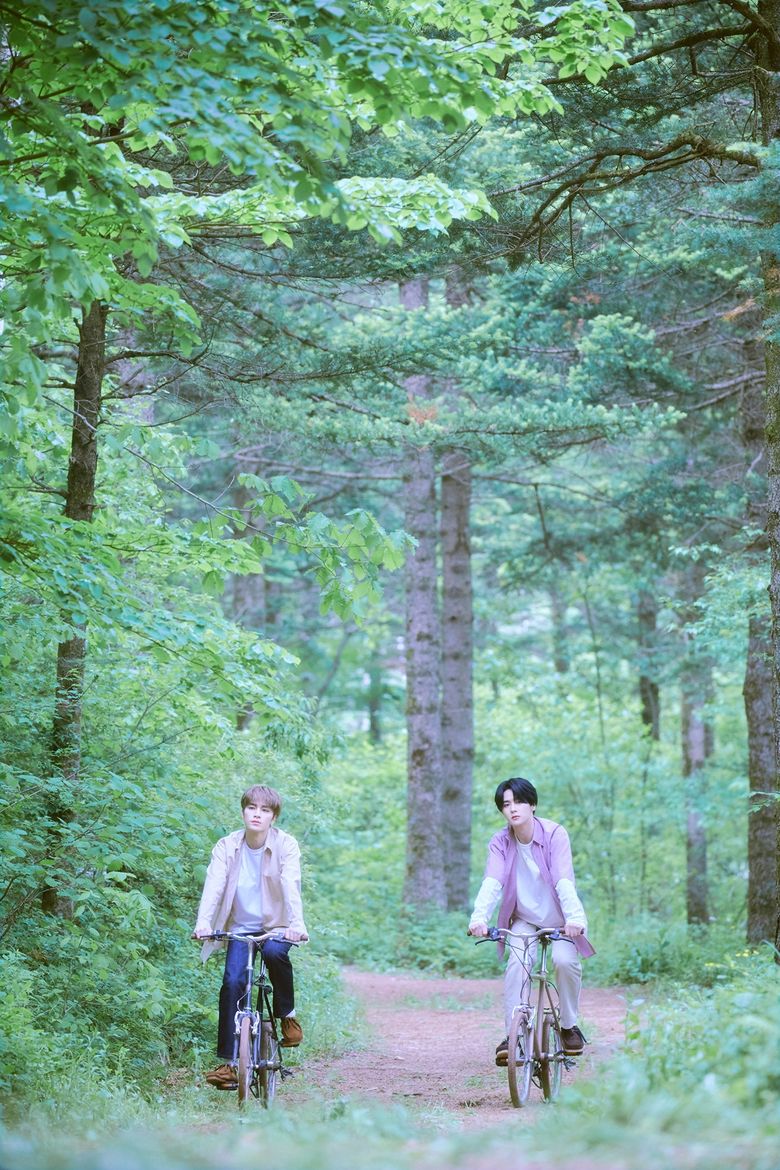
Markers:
649,690
457,700
424,884
766,39
758,685
457,645
697,746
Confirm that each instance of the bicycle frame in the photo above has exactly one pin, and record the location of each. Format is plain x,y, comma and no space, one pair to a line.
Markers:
257,1053
535,1050
543,1002
261,981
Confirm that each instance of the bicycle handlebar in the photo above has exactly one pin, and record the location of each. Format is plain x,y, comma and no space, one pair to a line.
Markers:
237,936
495,934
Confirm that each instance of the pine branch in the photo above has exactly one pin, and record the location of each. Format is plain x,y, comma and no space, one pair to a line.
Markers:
712,34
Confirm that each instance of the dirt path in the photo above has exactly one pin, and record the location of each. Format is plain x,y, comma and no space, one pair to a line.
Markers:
430,1045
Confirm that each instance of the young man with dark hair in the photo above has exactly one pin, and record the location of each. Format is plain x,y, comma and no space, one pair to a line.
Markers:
529,872
253,885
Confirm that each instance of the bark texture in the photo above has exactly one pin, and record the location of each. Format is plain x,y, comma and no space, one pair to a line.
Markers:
79,505
457,650
247,592
457,711
697,747
757,688
559,636
424,885
767,81
762,837
374,693
649,691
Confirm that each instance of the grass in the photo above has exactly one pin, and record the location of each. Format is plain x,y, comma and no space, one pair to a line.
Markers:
698,1088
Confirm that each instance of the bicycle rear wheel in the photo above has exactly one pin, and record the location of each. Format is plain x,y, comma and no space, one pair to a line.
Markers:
520,1063
244,1061
269,1063
551,1062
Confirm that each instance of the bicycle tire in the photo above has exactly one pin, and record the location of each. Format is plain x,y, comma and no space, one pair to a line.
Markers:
269,1063
551,1062
244,1061
520,1058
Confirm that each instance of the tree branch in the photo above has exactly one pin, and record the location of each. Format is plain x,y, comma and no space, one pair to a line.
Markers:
712,34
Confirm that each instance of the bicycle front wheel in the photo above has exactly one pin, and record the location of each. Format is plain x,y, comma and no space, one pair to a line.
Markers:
520,1063
269,1063
551,1062
244,1061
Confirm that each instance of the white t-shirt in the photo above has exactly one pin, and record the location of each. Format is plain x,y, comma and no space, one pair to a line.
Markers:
248,902
535,898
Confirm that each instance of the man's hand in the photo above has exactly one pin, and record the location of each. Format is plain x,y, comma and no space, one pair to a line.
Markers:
478,930
571,930
200,933
295,936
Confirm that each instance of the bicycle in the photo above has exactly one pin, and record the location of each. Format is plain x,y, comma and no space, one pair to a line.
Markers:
257,1052
535,1048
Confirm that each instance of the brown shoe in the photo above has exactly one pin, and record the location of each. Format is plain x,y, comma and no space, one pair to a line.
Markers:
573,1041
502,1054
223,1077
292,1032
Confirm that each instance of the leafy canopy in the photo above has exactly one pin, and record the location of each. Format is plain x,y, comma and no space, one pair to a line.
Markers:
119,119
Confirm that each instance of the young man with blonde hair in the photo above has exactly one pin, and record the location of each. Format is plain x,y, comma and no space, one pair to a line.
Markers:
253,885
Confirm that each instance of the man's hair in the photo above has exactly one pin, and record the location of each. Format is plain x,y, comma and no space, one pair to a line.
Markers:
262,794
522,790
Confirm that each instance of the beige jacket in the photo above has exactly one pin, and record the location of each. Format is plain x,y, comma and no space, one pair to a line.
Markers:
282,907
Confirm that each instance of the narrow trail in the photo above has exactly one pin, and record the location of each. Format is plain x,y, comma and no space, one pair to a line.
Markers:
430,1044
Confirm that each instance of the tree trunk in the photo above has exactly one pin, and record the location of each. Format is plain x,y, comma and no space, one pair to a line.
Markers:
697,747
559,637
246,592
757,689
762,844
457,708
457,649
767,75
424,883
649,693
694,742
374,696
79,505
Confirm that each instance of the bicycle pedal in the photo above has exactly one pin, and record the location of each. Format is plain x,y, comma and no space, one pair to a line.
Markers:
285,1073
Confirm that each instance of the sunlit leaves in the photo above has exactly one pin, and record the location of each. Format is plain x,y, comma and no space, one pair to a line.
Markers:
271,93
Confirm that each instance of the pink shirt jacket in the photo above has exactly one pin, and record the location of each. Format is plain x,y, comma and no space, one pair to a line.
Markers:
282,907
551,852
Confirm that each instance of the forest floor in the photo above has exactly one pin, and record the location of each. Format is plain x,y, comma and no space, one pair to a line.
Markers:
429,1044
419,1091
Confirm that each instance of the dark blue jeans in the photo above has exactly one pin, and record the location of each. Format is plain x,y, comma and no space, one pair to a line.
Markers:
231,993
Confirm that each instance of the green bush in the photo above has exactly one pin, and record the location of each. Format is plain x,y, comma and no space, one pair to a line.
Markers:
25,1027
721,1043
697,1083
652,948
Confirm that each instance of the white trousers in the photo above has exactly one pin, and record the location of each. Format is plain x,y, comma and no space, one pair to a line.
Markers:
568,975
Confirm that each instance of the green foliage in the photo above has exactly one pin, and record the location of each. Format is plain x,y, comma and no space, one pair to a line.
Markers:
108,112
738,1063
437,943
699,1074
664,953
165,159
